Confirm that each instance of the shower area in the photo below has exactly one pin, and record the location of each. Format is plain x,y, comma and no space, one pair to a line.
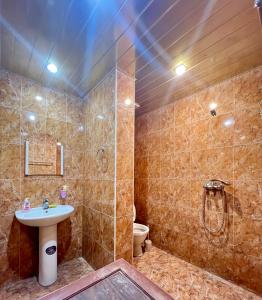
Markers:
198,178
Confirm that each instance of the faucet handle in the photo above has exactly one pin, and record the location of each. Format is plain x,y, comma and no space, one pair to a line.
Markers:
45,203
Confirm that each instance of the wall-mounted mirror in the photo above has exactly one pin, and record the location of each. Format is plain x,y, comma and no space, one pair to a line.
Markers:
44,158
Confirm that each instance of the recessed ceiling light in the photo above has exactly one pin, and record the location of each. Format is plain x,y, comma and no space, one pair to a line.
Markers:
180,70
39,98
52,68
128,101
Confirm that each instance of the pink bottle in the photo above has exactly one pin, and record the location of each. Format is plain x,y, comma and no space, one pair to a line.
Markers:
26,204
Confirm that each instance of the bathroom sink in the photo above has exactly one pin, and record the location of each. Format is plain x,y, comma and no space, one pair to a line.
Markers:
46,220
39,217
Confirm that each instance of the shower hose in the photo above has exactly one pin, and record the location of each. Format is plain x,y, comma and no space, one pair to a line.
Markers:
222,223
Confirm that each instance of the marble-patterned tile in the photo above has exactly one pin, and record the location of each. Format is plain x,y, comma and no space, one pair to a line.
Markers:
220,96
33,97
28,251
59,102
248,198
182,165
10,197
248,89
141,145
141,125
153,166
247,232
74,164
154,190
57,130
167,166
74,110
10,90
182,138
248,272
248,124
124,238
211,133
30,289
185,281
9,126
10,161
141,167
213,163
9,264
248,162
107,231
154,143
167,116
167,141
125,161
124,198
75,191
182,113
153,121
125,126
33,126
75,137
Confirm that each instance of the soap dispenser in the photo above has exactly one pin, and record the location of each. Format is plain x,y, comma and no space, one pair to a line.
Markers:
26,204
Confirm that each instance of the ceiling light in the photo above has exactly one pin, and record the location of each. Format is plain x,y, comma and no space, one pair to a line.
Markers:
38,98
180,70
52,68
128,101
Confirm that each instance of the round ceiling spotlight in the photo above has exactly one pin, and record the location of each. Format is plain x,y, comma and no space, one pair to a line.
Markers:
38,98
180,69
128,102
52,68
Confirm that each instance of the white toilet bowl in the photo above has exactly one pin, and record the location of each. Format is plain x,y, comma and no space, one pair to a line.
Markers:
140,233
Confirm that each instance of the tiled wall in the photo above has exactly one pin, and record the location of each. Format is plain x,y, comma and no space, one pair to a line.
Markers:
125,166
60,117
100,188
109,178
98,209
180,146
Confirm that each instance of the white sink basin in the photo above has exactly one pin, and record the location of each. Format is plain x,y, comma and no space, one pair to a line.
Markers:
47,221
39,217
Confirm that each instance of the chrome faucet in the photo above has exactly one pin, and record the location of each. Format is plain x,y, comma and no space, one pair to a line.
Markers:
45,204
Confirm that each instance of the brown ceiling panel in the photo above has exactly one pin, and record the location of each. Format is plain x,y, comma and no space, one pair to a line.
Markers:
86,39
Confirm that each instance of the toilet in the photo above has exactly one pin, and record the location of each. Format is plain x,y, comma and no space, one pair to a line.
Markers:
140,233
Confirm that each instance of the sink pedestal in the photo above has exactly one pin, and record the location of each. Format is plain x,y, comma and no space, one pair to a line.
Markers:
47,255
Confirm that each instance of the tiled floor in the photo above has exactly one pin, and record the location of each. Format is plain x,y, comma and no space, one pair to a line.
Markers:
29,289
179,278
185,281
